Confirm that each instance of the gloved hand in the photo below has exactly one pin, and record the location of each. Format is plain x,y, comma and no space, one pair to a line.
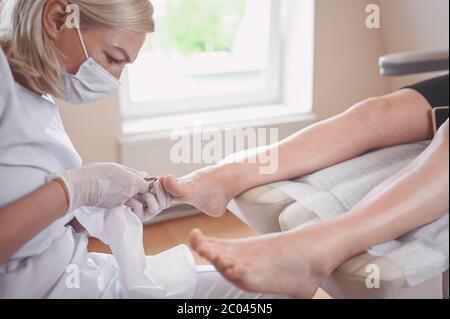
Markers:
149,205
103,185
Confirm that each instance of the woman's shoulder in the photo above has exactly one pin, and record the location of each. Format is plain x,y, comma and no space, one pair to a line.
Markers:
5,70
5,73
7,81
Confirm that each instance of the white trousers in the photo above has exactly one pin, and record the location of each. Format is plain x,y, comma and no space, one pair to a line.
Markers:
212,285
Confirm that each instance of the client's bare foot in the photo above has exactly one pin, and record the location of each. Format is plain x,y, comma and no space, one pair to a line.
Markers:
284,264
210,189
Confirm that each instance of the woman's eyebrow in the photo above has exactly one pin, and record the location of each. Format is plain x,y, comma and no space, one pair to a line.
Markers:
124,52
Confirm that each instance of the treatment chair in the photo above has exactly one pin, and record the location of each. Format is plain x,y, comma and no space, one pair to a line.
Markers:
268,210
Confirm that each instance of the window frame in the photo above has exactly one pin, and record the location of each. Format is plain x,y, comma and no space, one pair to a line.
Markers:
273,94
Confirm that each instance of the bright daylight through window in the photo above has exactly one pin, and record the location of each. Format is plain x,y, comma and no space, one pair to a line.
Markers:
204,55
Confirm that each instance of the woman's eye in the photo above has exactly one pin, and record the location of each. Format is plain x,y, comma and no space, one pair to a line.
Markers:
111,60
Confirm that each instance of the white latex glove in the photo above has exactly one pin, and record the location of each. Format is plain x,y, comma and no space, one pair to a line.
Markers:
103,185
149,205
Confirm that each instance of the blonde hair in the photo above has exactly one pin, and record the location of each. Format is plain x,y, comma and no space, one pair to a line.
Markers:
30,51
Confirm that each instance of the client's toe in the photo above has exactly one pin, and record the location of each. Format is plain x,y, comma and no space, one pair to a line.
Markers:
196,238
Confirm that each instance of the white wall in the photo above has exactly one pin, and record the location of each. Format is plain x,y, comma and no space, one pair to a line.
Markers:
346,67
414,25
94,129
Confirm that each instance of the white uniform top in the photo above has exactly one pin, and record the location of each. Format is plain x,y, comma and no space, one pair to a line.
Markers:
33,147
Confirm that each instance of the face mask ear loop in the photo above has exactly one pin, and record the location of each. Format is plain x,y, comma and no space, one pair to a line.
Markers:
82,42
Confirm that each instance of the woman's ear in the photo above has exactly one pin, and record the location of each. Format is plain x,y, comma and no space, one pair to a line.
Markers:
54,18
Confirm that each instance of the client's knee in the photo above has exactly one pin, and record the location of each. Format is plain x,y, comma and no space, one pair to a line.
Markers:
372,110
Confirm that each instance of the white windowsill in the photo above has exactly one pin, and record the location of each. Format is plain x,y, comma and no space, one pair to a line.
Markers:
255,116
151,130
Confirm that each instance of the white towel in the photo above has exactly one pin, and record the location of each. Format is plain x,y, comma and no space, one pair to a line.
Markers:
171,274
422,254
65,269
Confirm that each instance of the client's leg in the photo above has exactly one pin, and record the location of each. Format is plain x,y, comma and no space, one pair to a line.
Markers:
398,118
296,263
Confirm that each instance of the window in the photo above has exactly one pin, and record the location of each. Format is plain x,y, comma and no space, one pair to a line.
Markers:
205,55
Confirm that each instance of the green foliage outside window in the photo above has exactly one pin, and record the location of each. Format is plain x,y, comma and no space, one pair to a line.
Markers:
195,26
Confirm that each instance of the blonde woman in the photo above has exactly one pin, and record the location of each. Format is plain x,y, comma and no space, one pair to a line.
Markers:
41,55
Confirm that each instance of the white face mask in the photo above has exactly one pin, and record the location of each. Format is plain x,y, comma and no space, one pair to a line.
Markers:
91,83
